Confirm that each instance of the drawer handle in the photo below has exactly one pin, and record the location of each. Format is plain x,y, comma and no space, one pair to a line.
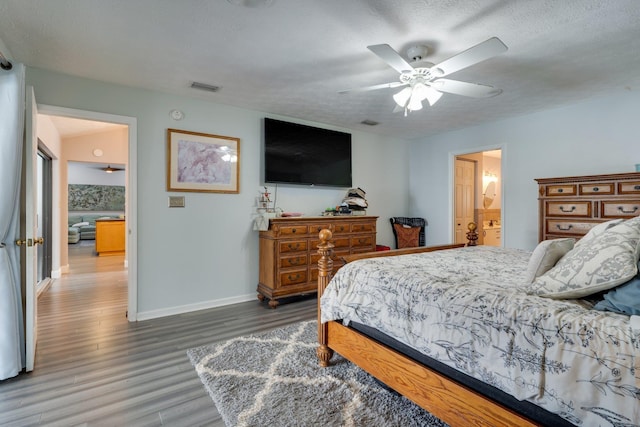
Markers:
297,276
564,228
596,189
560,190
362,241
634,210
292,247
573,208
294,231
636,187
294,261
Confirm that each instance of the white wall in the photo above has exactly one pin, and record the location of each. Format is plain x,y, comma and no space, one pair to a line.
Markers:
207,253
594,137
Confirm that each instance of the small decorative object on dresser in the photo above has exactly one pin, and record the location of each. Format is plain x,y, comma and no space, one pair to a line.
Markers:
571,206
289,251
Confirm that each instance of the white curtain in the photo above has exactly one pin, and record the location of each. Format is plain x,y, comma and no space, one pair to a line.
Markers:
12,347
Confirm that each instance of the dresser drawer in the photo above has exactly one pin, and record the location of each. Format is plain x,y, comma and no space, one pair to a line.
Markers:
569,208
314,229
293,246
362,241
572,228
292,230
561,190
341,228
293,277
362,228
620,208
293,261
632,187
595,189
341,242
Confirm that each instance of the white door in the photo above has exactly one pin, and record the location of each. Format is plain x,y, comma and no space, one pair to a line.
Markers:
464,183
29,227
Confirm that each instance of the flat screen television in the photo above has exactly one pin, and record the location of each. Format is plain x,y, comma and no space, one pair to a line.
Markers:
306,155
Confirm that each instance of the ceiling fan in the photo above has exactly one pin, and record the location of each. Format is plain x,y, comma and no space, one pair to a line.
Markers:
425,80
109,169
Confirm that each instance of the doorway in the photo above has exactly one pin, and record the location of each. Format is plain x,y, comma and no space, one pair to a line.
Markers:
99,155
477,195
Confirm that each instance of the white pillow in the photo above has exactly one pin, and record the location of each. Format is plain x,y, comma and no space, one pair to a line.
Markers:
80,224
546,255
598,230
607,260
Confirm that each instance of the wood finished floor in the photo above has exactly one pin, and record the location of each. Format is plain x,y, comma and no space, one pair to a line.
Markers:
94,368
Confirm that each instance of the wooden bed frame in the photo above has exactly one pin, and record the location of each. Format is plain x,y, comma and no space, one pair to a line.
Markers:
445,398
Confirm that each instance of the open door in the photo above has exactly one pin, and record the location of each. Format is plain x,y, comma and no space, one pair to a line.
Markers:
29,227
464,197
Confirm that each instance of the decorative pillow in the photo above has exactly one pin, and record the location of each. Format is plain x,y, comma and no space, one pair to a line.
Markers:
625,299
546,255
80,224
598,230
408,237
602,263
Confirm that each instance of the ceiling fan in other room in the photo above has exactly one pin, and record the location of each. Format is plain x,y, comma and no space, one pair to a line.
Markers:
424,81
110,169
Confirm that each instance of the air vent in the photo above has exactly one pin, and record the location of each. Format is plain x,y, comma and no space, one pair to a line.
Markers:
369,122
204,86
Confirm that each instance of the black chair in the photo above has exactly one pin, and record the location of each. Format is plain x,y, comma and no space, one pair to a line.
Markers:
411,222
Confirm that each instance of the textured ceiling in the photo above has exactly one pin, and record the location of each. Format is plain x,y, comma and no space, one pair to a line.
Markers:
293,57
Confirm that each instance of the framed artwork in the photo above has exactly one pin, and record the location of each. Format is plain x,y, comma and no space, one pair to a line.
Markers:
202,162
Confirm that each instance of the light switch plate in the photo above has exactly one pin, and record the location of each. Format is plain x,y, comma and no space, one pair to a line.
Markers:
176,201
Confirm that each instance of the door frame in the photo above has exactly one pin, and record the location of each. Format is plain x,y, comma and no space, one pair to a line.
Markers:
452,177
131,202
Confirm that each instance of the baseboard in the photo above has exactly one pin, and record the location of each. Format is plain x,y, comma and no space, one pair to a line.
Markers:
172,311
64,269
56,274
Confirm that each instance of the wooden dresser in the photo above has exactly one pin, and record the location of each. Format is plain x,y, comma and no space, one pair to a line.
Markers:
289,251
570,206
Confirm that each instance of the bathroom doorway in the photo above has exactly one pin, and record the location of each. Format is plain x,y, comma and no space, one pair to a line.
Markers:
477,196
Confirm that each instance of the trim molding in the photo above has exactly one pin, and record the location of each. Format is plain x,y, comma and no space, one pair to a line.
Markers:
181,309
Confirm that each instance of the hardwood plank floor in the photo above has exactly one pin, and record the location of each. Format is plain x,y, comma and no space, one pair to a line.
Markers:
93,367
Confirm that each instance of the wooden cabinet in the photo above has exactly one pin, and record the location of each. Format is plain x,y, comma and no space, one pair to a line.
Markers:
110,236
289,251
571,206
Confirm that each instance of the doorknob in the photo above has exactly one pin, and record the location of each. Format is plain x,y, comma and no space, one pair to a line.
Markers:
38,241
28,242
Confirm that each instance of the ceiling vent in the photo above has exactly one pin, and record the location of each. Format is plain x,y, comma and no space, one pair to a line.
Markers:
369,122
204,86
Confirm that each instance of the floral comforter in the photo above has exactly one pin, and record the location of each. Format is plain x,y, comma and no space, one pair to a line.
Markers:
467,308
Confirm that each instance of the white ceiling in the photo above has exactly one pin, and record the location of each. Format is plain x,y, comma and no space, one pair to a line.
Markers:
292,57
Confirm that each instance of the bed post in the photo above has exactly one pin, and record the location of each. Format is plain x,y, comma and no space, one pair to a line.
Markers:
472,234
325,268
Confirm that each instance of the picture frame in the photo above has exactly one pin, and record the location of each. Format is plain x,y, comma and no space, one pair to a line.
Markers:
201,162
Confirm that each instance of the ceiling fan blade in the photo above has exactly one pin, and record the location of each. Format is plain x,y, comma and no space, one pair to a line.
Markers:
391,57
471,56
375,87
465,89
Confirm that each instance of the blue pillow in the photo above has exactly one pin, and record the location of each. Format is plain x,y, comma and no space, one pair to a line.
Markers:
624,299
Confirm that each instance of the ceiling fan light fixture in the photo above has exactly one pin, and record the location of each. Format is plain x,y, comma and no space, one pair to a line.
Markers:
415,103
431,95
403,96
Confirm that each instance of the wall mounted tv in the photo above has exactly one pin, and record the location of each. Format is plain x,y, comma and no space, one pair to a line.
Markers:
306,155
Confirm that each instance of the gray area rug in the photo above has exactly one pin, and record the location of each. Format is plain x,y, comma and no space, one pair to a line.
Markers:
273,379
